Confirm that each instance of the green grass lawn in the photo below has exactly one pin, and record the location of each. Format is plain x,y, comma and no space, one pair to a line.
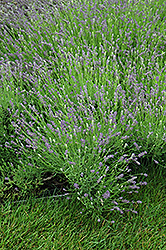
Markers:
55,223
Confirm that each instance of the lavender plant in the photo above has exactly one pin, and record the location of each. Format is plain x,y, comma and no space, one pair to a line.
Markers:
89,83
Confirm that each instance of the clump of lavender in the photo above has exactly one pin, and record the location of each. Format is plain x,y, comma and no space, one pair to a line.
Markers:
88,83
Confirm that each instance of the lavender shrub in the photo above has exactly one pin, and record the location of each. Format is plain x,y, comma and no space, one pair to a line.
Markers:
89,84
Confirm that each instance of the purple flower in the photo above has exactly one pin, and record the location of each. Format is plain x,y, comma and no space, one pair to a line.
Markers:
106,194
73,163
143,183
100,164
99,179
114,202
92,171
144,174
66,152
133,211
118,209
133,187
157,78
109,156
141,154
76,185
120,176
107,169
47,145
125,201
30,164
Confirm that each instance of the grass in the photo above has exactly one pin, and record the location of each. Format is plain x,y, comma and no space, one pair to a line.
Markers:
56,223
43,221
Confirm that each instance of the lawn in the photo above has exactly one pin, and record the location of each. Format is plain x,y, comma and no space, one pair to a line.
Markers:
82,125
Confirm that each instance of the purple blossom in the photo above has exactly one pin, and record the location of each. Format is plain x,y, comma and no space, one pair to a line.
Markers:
92,171
139,201
114,202
134,187
47,145
143,183
120,176
100,164
66,152
141,154
109,156
107,168
99,179
133,211
76,185
106,195
125,201
73,163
